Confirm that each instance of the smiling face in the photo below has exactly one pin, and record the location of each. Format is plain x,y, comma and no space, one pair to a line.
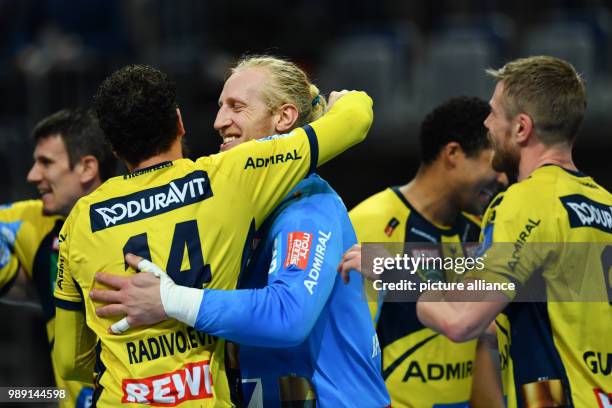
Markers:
243,114
59,185
506,154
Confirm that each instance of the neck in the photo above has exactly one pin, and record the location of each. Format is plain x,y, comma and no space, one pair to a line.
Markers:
174,153
539,155
429,193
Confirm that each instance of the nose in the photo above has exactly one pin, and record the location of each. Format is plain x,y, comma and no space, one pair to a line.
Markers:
486,121
222,120
34,175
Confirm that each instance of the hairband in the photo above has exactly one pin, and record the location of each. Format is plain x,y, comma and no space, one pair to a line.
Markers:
316,100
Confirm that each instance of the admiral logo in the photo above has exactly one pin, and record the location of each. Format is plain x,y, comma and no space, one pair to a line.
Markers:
60,272
317,263
193,382
424,373
193,188
584,212
259,162
520,242
298,249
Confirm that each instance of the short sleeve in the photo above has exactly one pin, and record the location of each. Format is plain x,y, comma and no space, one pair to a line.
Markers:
67,294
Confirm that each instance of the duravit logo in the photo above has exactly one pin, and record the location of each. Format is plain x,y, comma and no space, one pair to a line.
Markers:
584,212
193,188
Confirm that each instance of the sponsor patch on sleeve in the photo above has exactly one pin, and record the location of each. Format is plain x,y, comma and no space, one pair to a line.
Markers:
298,249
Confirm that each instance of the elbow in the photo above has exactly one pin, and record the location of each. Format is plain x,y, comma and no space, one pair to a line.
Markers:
446,322
457,329
363,117
295,332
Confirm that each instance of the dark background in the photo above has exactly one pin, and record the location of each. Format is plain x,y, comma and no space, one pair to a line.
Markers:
409,56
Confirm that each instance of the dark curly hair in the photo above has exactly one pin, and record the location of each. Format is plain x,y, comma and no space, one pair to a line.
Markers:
459,119
136,107
81,135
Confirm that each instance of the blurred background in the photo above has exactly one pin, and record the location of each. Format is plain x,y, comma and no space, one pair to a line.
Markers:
409,56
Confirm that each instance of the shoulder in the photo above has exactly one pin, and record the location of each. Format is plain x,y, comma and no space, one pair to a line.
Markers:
374,207
28,211
322,208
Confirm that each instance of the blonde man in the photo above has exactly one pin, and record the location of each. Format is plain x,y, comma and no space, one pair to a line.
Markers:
558,349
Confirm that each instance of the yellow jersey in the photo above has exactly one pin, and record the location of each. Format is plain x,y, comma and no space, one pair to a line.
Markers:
195,219
560,351
29,239
421,368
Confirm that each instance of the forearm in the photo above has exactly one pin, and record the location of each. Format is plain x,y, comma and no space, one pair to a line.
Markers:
346,124
486,385
271,317
458,316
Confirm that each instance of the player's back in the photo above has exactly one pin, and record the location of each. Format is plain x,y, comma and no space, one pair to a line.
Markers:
160,214
194,220
564,240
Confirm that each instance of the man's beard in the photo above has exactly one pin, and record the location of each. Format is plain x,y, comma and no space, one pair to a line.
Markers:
506,160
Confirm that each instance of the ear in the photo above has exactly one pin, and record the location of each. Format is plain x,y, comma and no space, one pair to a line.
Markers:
452,154
286,117
89,169
523,128
180,129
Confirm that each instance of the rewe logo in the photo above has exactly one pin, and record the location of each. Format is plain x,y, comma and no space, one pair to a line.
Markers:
603,399
190,189
588,213
190,383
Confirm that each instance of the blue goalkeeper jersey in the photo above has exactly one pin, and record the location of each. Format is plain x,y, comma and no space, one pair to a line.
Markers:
306,338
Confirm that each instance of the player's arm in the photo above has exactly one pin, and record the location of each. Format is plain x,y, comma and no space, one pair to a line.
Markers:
486,382
464,315
283,313
74,341
74,345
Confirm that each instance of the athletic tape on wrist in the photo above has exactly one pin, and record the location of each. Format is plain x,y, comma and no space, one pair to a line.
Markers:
179,302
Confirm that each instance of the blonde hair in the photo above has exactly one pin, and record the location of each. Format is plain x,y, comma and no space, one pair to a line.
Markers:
549,90
288,84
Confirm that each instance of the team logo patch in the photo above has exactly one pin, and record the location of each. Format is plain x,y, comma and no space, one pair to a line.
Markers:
192,188
298,249
193,382
393,223
583,212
